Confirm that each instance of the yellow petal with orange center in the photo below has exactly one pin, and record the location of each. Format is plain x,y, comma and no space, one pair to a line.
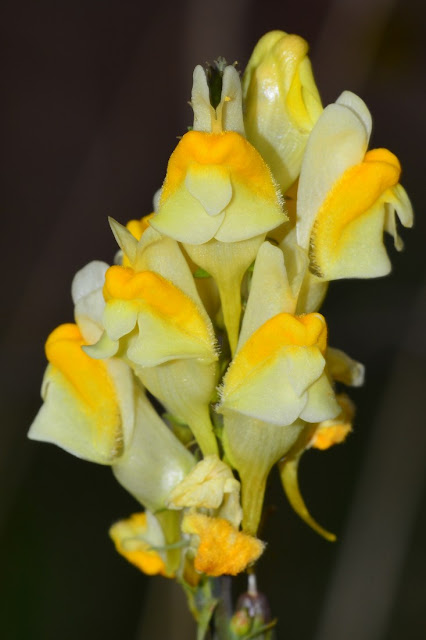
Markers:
89,378
278,375
149,290
217,185
347,238
283,330
222,550
81,412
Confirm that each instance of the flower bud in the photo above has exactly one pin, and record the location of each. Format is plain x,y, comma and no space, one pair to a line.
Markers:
282,103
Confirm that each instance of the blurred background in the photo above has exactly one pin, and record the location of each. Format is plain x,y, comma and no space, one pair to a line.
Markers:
94,96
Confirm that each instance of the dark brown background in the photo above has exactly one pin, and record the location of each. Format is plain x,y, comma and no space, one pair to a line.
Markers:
94,94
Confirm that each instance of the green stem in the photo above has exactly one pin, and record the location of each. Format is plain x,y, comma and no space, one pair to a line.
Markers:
202,428
253,491
202,603
230,298
223,611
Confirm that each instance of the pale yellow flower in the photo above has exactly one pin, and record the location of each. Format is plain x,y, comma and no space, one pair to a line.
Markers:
219,197
348,196
83,408
278,375
168,339
217,186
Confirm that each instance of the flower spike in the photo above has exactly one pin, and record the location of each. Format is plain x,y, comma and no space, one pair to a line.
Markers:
200,360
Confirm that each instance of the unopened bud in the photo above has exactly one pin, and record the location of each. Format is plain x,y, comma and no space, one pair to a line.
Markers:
241,622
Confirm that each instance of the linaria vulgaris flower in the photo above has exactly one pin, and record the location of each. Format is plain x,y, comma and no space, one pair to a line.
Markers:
200,360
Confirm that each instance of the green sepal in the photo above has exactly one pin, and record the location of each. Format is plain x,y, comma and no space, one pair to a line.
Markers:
201,273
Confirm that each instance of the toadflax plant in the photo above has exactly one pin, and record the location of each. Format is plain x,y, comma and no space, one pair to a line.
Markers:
211,309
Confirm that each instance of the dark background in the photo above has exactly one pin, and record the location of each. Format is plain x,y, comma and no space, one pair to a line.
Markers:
94,95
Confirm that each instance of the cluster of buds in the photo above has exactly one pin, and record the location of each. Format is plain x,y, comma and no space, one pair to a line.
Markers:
211,312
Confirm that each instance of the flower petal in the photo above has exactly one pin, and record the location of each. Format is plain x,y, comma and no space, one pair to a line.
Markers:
169,322
86,291
282,102
88,408
222,550
337,142
210,485
211,186
347,239
154,461
133,539
270,291
255,205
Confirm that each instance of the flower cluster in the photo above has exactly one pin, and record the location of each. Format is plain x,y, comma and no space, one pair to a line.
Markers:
211,312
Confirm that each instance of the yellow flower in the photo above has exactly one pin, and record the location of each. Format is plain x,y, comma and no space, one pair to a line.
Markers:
169,323
221,549
85,400
282,103
134,539
347,197
278,375
219,197
94,409
275,384
88,406
217,186
168,340
277,379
